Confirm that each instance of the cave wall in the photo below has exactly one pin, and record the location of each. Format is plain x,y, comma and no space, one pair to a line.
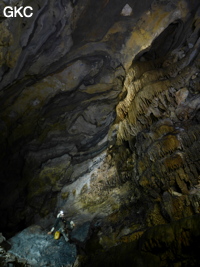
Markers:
99,114
175,244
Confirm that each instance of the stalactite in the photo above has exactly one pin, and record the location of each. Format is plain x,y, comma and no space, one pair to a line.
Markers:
142,85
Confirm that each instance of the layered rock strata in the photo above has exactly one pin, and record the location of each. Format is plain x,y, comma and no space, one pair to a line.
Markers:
99,115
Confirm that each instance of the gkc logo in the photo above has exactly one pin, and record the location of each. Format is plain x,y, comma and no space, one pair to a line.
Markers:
10,11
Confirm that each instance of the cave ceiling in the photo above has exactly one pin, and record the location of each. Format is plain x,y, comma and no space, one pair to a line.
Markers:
99,112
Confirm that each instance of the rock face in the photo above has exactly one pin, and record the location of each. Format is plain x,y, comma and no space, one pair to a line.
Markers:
99,115
175,244
39,248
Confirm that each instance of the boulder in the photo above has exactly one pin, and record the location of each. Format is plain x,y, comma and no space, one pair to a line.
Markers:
40,249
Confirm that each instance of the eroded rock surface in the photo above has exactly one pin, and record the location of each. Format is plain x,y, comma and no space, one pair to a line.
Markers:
99,116
175,244
41,249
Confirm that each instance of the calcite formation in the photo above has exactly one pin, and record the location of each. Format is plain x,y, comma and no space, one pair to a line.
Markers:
99,115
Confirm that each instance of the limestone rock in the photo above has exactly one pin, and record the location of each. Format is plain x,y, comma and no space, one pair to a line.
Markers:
162,245
40,249
127,10
99,116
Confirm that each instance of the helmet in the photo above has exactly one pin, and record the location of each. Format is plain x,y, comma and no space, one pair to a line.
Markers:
60,213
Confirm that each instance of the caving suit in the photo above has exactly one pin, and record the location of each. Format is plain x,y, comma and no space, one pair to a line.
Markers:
61,225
